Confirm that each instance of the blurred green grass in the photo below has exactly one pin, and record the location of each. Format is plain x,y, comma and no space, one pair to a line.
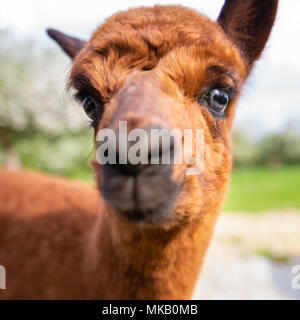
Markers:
260,188
66,155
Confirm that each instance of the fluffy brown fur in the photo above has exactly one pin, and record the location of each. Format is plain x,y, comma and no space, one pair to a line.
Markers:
60,239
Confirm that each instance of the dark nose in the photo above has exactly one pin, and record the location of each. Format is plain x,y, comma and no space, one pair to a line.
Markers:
142,191
158,148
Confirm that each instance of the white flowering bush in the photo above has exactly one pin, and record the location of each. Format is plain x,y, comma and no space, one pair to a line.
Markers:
40,125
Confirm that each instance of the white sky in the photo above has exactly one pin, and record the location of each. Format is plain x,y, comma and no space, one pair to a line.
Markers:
272,96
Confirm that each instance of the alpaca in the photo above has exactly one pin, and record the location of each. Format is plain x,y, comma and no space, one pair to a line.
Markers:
143,232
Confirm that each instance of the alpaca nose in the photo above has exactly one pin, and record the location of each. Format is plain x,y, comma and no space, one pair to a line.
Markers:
155,149
140,186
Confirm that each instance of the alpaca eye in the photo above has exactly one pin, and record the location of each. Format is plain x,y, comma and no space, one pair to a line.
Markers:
218,101
92,108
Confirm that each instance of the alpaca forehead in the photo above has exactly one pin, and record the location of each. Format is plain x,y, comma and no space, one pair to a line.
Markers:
158,24
140,38
158,28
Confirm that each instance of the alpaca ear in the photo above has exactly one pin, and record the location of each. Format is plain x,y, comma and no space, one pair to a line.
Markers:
70,45
248,24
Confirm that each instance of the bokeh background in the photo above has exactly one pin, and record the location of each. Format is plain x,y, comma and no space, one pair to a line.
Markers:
41,128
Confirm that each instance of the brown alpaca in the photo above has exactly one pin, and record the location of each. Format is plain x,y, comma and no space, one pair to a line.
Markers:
145,236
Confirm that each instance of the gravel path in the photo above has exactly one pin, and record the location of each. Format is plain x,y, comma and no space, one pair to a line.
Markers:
251,257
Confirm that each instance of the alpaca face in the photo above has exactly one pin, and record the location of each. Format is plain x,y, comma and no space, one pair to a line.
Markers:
168,67
159,75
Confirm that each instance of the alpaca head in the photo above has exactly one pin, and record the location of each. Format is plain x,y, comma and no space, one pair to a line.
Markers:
167,67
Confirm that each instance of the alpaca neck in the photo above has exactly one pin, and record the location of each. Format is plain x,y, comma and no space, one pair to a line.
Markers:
128,262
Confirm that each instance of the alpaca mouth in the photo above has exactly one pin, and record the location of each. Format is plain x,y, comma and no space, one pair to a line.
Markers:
148,196
140,215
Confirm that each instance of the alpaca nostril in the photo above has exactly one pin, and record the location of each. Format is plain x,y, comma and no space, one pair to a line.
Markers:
128,168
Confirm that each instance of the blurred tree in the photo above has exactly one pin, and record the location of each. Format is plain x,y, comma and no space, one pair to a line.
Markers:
31,96
245,150
281,148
